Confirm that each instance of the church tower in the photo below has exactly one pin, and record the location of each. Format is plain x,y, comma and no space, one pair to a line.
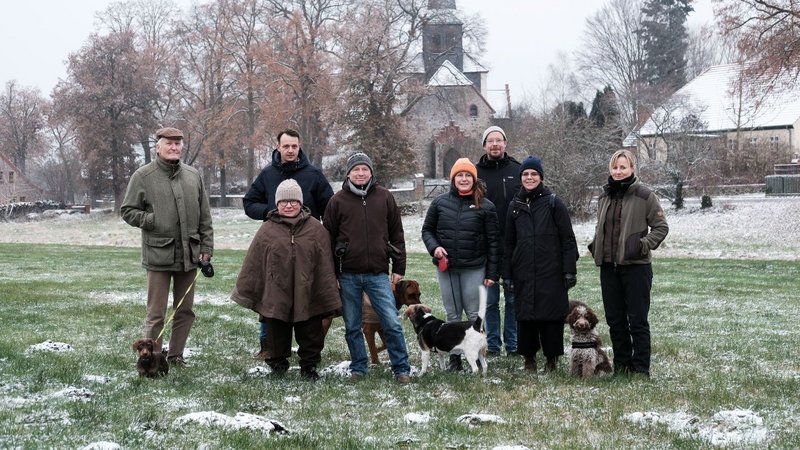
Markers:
442,37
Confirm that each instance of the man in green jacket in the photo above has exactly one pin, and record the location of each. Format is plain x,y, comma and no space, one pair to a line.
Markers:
166,199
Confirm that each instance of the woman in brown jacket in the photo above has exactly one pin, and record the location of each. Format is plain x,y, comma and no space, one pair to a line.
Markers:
630,224
288,278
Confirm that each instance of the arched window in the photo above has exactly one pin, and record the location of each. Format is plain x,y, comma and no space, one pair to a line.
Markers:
473,111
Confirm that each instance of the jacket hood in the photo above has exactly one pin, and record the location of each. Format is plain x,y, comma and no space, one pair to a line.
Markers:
302,161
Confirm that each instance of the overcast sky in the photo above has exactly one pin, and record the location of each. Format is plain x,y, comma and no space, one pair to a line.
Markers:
524,37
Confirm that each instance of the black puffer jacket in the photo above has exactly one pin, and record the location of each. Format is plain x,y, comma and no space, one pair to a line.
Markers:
540,248
469,234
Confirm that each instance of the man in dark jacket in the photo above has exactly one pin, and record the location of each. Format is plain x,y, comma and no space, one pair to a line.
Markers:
166,199
500,172
288,161
367,232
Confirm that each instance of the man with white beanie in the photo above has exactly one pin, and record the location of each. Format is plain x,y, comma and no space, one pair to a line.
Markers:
500,172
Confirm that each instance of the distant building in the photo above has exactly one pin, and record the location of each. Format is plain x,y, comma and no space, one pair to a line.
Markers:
717,105
446,119
14,186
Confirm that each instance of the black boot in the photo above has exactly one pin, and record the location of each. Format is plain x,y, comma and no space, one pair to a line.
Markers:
261,355
530,364
455,363
551,364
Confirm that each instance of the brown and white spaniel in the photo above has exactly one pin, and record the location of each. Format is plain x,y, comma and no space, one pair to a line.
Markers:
586,358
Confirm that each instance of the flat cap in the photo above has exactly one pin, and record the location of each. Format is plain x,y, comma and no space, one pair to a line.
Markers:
169,133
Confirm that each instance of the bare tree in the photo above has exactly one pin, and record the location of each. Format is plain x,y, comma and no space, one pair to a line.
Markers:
306,32
152,23
60,166
708,48
766,33
109,95
611,54
21,123
373,68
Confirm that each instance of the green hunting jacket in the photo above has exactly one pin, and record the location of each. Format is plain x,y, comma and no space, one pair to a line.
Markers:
642,225
168,202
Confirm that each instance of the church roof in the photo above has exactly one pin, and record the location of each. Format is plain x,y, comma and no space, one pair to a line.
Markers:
448,75
713,99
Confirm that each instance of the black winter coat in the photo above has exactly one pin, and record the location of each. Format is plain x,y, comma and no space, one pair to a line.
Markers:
469,234
260,199
501,177
540,248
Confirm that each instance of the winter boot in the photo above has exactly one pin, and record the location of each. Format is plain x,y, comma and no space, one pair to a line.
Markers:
261,355
455,363
551,364
530,364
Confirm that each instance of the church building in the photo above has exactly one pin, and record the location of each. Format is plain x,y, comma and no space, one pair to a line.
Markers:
446,119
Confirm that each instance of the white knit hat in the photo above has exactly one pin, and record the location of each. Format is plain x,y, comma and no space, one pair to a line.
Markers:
288,190
489,130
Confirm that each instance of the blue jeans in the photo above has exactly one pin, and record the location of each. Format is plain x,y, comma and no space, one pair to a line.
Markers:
379,290
262,334
493,320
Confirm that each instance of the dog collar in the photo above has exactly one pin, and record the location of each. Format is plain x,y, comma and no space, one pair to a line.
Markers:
583,344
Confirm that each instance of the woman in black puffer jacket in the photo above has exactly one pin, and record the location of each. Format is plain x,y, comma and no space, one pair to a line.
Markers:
461,228
541,255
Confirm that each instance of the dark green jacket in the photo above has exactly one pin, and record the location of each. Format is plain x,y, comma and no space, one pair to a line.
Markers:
169,204
642,225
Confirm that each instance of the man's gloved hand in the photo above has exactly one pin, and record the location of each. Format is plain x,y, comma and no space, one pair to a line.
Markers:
508,286
570,280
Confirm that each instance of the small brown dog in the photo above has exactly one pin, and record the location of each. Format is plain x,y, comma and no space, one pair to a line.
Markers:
150,364
587,357
406,292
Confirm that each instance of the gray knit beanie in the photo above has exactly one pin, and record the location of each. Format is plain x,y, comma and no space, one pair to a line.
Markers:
288,190
359,158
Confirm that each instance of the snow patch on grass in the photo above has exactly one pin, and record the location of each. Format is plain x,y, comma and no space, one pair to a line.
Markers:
739,426
239,421
49,346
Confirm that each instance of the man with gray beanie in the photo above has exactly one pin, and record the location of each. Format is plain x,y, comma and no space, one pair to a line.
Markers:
500,173
367,234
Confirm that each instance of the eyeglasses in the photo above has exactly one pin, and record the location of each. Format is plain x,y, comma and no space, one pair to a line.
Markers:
530,174
495,141
288,202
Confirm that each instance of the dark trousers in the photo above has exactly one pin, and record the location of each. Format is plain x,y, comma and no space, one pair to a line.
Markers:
310,338
626,300
547,335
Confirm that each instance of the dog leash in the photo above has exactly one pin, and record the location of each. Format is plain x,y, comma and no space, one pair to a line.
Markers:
172,315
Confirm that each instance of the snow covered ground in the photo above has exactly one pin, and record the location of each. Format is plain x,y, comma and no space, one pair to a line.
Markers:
749,226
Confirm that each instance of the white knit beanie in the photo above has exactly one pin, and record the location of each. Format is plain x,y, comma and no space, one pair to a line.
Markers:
288,190
489,130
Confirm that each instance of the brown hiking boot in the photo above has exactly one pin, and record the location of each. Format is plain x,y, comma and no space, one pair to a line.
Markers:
262,354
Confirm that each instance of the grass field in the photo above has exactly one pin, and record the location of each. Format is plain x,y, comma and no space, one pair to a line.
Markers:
725,341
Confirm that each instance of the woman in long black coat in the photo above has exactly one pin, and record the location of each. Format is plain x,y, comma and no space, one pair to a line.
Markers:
541,255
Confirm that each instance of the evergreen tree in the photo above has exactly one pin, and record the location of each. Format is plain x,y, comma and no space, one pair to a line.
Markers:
665,40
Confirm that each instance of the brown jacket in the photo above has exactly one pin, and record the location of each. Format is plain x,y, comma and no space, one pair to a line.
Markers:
363,227
642,226
287,273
